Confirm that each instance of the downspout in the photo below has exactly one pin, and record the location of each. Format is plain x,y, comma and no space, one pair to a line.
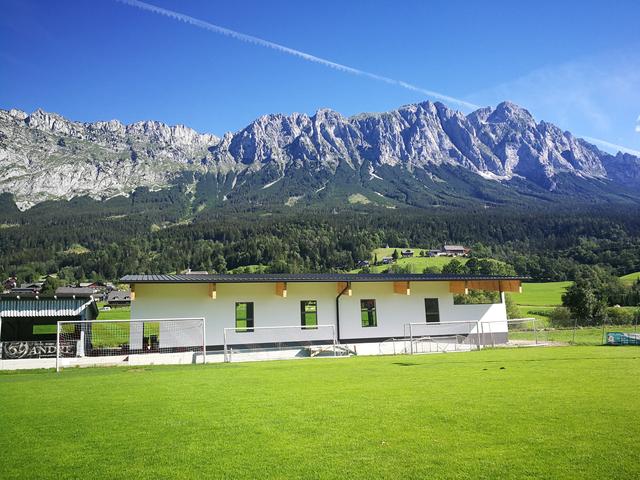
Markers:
338,309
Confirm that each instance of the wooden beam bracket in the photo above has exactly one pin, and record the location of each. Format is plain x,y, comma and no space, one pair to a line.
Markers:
281,289
402,288
459,287
345,285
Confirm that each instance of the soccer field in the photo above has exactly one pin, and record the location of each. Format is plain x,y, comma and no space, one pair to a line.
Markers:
566,412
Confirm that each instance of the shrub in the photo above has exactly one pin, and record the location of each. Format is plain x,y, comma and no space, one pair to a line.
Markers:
561,317
477,297
621,316
512,308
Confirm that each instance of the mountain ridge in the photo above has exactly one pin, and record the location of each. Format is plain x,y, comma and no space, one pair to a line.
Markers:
418,151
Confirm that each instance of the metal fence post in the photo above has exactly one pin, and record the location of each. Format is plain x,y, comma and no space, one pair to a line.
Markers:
204,342
535,331
335,341
411,338
57,347
224,335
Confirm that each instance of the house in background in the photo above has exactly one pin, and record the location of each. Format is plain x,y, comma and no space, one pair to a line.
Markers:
361,307
119,298
9,284
407,253
76,291
455,250
28,288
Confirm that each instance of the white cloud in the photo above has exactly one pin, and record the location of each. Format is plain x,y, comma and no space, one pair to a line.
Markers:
597,95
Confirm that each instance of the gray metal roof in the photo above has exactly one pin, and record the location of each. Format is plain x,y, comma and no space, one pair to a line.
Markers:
79,291
45,307
310,277
118,295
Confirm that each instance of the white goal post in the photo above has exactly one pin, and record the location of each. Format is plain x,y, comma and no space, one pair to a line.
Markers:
443,336
279,342
135,341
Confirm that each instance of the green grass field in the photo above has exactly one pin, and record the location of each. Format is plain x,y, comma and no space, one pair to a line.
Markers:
630,278
116,313
564,412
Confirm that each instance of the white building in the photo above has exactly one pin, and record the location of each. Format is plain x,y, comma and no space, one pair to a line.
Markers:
360,307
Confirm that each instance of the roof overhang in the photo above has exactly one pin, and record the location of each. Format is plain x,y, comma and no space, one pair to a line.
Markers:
316,278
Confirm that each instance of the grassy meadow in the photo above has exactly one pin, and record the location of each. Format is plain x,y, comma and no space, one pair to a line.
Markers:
502,413
416,263
630,278
548,294
537,299
116,313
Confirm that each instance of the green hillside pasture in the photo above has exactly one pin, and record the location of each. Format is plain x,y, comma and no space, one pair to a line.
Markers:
542,294
498,413
416,263
387,252
630,278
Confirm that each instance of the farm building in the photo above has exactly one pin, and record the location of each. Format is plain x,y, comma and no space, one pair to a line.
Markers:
361,307
455,250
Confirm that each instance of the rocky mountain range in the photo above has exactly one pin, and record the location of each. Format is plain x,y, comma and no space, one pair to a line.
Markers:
420,154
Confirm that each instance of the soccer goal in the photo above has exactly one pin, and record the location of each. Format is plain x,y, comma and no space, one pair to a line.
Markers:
280,342
514,332
433,337
130,342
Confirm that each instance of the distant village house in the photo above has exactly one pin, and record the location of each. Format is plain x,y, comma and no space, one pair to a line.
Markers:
119,298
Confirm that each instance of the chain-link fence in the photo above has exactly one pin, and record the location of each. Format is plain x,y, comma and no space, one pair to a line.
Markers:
575,332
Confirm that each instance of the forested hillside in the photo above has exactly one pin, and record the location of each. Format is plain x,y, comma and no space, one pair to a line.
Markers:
160,232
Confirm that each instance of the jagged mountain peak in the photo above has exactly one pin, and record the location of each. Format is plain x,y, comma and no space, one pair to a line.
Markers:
43,155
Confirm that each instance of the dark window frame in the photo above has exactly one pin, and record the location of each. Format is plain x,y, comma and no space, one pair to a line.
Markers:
249,320
371,311
303,315
432,315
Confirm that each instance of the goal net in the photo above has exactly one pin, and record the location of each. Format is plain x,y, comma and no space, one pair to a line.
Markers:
432,337
139,341
279,342
513,332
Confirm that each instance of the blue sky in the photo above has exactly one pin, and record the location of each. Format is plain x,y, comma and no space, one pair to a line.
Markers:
576,64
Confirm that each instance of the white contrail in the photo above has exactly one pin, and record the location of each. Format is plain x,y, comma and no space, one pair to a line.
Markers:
291,51
613,146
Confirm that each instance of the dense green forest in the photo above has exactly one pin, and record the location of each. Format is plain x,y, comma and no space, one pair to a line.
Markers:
160,232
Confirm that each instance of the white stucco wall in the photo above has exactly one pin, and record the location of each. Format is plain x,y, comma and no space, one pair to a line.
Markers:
185,300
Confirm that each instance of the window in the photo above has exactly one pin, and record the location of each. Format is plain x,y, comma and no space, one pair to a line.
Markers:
432,310
309,314
368,313
244,316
